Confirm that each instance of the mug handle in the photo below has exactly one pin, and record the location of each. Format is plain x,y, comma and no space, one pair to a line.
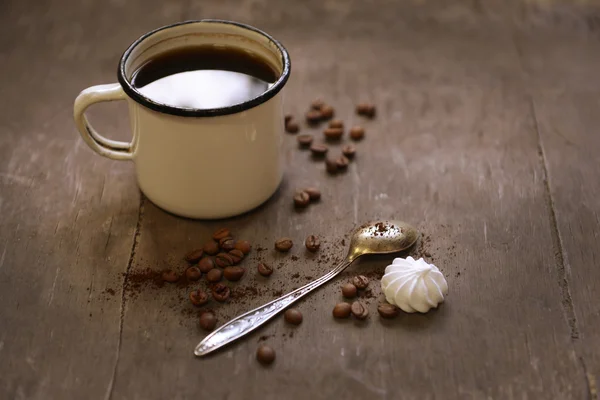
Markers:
105,147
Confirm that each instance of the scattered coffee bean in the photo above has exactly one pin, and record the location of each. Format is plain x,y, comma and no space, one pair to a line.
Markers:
220,292
387,310
333,133
318,150
313,117
206,264
327,112
236,255
336,123
342,310
349,151
244,246
312,243
304,140
313,193
214,275
331,166
265,355
359,310
193,273
342,162
221,233
265,269
360,281
349,291
170,276
292,127
198,297
227,243
208,321
287,118
211,247
194,256
366,110
317,104
301,199
284,245
357,133
223,260
293,316
233,274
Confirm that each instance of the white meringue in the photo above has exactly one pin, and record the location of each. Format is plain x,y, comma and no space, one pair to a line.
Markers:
414,285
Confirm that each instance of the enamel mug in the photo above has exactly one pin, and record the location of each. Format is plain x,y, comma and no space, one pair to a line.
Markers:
197,163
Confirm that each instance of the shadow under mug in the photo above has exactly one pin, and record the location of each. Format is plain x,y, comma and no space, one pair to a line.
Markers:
197,163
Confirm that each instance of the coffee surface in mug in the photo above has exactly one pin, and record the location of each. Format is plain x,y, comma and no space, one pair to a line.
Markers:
204,77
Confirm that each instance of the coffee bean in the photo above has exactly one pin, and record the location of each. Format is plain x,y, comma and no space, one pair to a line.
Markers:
236,255
318,150
301,199
292,127
233,274
360,281
349,291
336,123
284,245
293,316
206,264
313,193
313,117
193,273
366,110
194,256
357,133
223,260
227,244
342,162
264,269
349,151
342,310
214,275
198,297
211,247
170,276
287,118
265,355
304,140
244,246
331,166
333,133
327,112
388,311
312,243
208,321
220,292
359,310
221,233
317,104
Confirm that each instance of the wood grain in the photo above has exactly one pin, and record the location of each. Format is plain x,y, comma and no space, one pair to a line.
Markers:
485,141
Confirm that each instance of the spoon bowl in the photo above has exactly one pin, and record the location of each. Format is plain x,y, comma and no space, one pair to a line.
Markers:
374,238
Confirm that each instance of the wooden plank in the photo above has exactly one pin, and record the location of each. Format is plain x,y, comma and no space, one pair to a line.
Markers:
68,217
453,151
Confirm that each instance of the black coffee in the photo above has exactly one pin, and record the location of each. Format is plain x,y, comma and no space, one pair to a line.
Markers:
204,77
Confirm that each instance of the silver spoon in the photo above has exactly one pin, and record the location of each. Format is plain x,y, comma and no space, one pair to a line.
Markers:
376,238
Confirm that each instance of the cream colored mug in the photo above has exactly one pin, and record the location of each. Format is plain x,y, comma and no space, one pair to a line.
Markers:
197,163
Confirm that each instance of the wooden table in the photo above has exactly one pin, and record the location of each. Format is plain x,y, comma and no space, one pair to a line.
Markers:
487,140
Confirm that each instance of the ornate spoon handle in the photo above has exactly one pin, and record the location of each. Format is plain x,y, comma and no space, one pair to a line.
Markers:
246,323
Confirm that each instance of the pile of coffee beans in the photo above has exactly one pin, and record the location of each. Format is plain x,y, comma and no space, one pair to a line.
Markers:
217,259
350,291
304,197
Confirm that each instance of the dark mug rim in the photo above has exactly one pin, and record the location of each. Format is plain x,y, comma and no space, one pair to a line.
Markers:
136,95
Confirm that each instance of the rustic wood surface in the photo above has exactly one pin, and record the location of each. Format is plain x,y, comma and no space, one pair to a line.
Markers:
486,140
